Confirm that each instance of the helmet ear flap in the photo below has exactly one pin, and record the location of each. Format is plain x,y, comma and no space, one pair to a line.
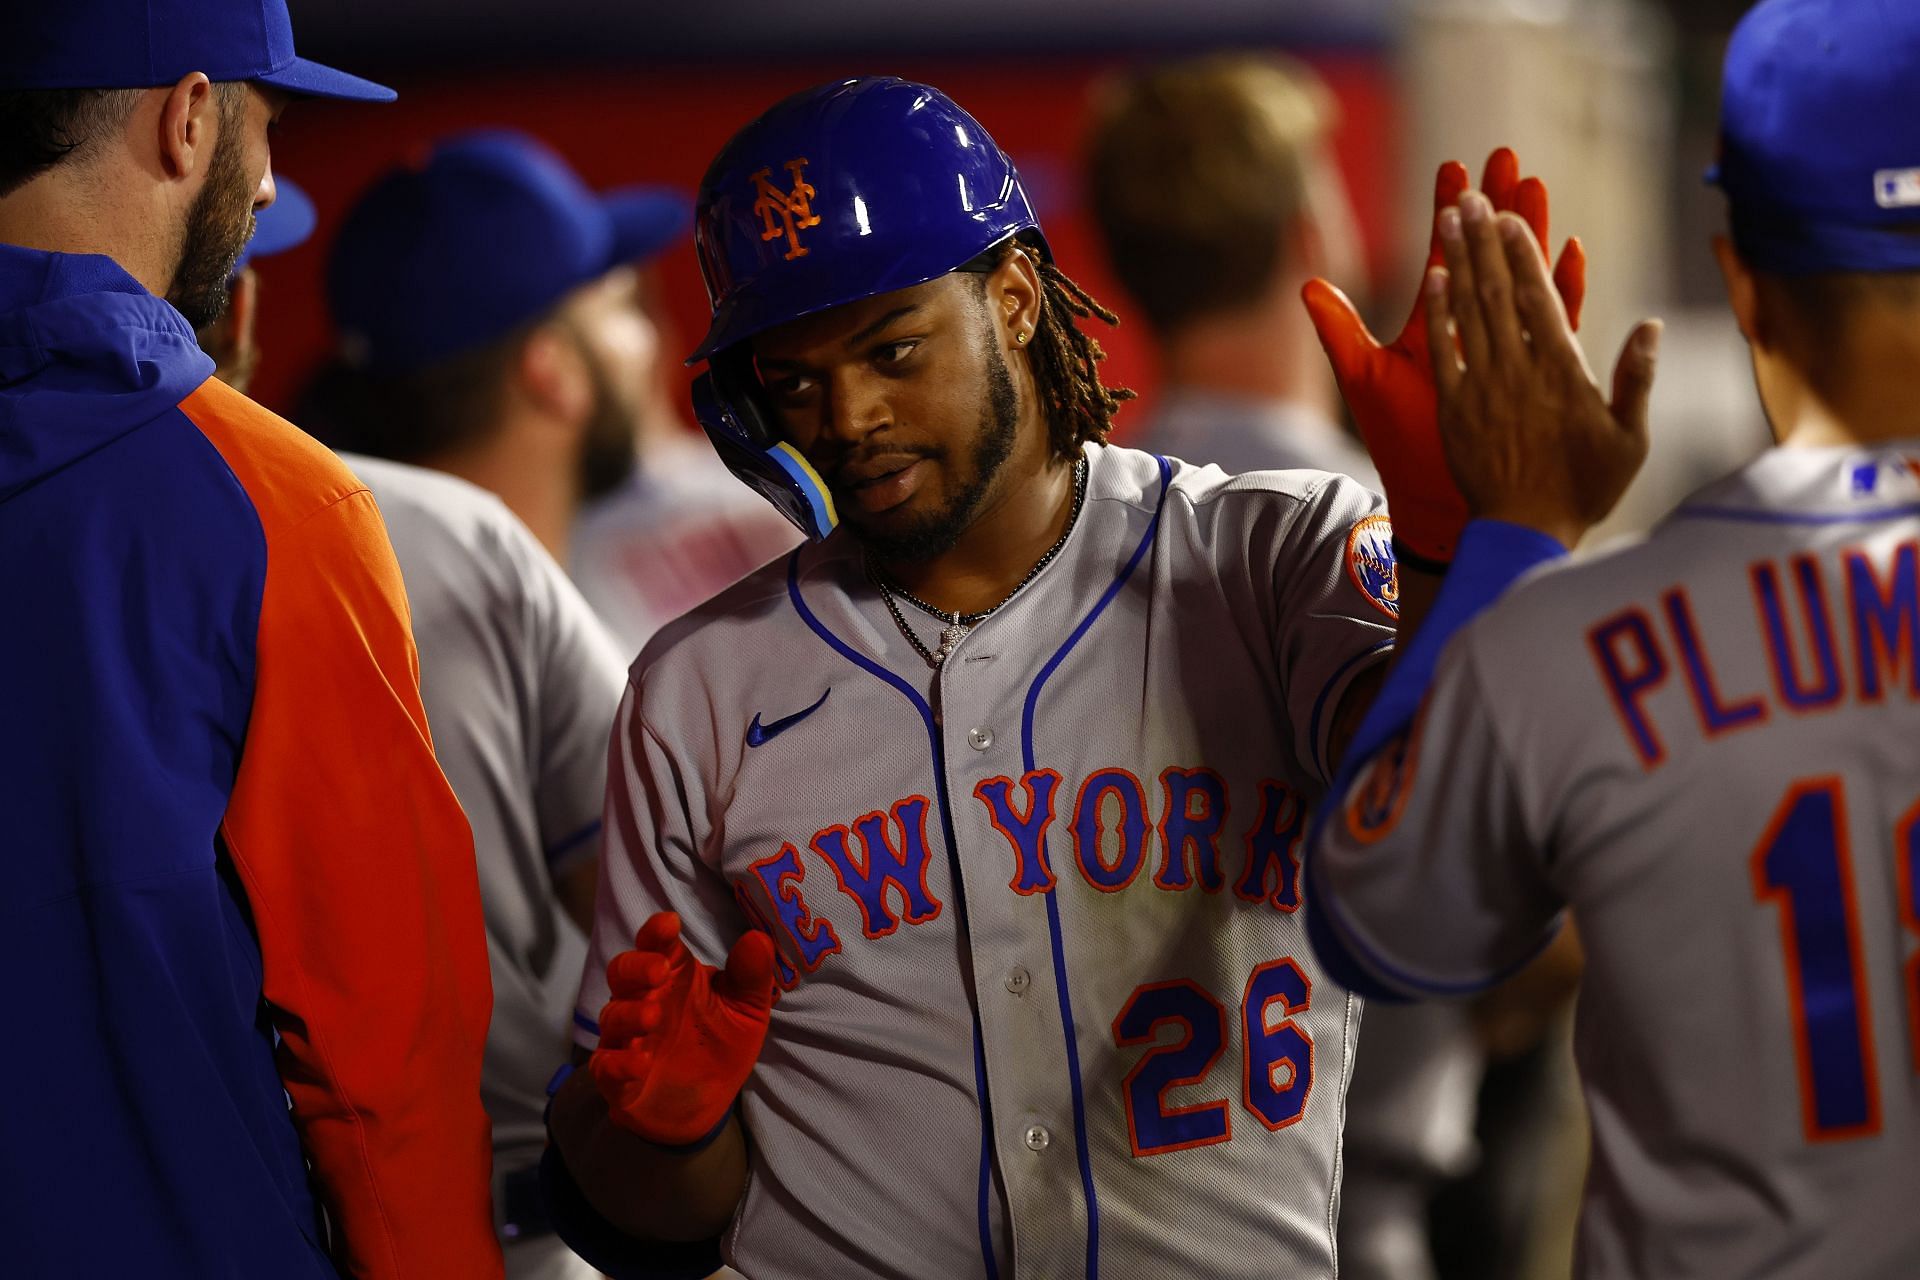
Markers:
732,409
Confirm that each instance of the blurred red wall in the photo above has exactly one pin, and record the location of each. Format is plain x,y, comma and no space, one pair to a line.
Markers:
663,125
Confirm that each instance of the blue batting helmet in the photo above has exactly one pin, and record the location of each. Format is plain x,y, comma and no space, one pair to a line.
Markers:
842,192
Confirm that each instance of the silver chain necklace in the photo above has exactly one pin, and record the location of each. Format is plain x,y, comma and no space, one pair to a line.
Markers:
959,624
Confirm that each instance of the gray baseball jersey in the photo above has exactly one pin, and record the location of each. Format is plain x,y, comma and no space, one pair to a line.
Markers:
1705,744
520,683
1049,1007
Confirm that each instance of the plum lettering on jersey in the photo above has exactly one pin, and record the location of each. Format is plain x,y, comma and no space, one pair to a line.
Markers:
1885,615
882,869
1026,833
1090,829
1273,849
1797,631
781,875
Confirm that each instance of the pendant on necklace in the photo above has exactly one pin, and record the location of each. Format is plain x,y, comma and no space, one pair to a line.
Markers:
951,637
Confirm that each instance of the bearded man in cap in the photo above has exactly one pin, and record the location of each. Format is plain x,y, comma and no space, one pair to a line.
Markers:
242,887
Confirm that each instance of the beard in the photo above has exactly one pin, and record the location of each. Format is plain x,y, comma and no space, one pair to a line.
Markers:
219,224
935,533
607,450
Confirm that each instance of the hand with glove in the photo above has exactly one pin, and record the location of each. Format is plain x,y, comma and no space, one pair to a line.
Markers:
1390,388
679,1038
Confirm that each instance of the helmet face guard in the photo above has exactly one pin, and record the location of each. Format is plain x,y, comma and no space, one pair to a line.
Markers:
843,192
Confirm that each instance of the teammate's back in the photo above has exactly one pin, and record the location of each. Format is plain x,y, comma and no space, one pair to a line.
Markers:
1701,745
1711,737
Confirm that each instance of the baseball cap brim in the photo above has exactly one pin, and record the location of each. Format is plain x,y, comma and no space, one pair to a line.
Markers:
311,79
646,220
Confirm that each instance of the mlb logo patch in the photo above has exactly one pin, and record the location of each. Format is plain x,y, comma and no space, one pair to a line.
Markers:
1886,475
1896,188
1371,566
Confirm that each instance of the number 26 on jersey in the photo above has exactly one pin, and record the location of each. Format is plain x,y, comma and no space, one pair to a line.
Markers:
1276,1069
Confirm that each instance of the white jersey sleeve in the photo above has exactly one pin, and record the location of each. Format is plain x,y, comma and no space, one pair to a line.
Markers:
1427,869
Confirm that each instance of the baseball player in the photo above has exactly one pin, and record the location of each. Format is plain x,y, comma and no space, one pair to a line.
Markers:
998,784
519,681
1702,745
248,987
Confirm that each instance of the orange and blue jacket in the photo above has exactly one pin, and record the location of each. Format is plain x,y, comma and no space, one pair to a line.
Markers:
239,916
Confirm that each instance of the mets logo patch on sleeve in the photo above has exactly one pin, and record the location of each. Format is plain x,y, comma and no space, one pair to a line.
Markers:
1370,564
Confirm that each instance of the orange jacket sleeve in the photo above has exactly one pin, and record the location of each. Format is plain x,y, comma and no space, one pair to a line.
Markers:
358,865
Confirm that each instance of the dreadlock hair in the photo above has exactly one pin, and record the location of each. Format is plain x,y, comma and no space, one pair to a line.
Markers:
1064,358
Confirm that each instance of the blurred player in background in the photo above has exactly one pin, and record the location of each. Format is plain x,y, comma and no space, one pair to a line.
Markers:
681,528
490,325
1702,744
245,1031
520,683
1217,199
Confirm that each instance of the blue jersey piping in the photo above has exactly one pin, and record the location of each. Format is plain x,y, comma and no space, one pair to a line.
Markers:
987,1254
1053,901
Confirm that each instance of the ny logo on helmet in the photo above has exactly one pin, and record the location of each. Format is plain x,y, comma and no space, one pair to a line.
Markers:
792,208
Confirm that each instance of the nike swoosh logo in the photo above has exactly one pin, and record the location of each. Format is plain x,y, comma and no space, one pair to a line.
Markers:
759,735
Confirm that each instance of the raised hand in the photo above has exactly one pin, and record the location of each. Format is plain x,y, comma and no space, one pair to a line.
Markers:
1529,437
679,1038
1390,388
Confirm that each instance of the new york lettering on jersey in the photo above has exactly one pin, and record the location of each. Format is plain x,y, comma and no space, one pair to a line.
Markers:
1102,823
1738,807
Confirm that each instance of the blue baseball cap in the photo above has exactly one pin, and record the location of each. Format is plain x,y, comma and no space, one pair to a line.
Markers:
282,225
137,44
489,232
1820,136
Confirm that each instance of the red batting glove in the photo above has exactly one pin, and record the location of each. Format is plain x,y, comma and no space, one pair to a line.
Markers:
679,1038
1390,388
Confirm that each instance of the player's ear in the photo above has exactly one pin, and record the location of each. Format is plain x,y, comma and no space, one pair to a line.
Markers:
1743,293
188,126
1013,297
553,376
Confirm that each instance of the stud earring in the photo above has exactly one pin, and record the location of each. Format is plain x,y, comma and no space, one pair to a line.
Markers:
1020,337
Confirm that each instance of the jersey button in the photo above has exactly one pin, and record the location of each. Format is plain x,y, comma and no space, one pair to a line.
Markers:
979,739
1038,1137
1018,980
